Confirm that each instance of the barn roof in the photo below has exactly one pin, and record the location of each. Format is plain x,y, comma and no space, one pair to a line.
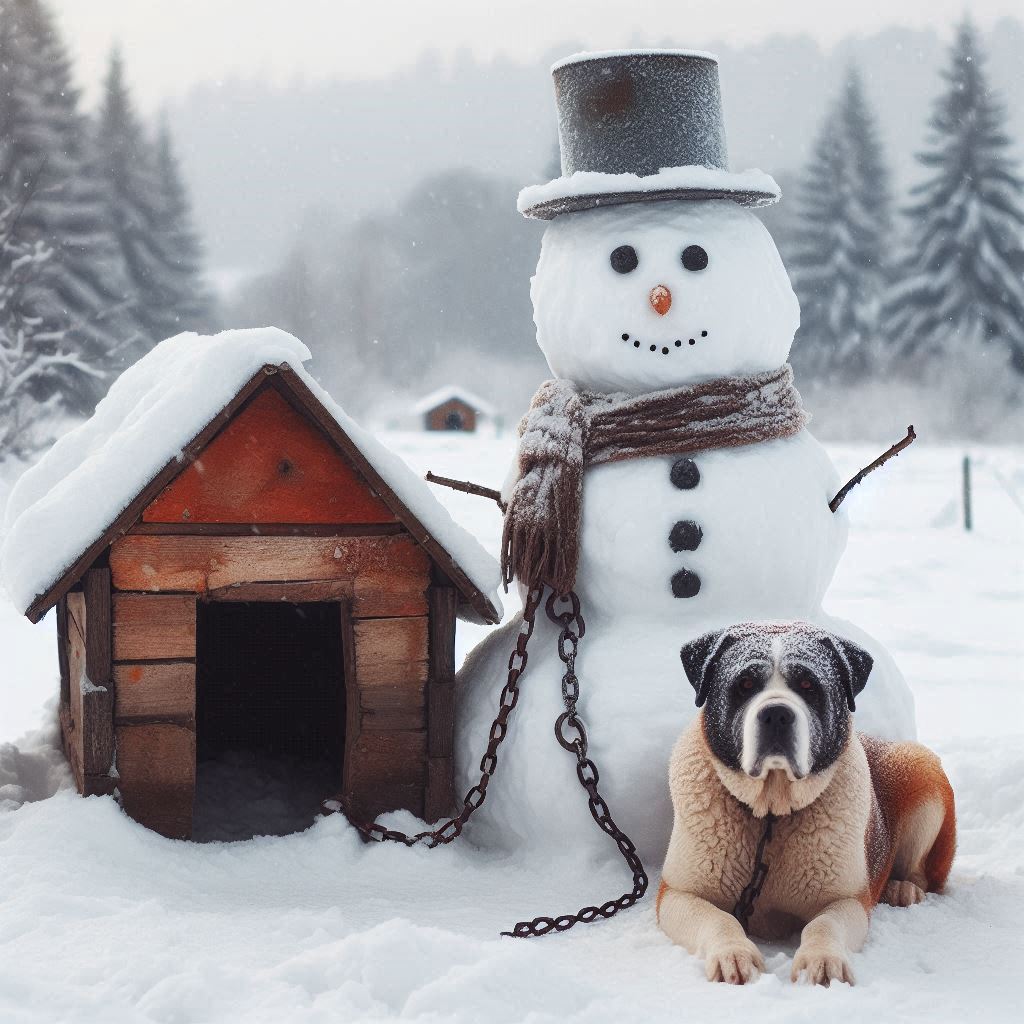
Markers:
94,483
449,392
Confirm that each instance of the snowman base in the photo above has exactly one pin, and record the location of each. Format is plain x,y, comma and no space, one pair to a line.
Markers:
571,735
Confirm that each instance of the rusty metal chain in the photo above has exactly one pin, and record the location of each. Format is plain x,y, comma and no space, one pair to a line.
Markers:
452,828
745,904
572,629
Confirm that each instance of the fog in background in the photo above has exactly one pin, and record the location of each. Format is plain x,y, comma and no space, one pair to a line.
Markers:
354,171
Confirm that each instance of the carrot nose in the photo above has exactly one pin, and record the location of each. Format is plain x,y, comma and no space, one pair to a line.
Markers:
661,299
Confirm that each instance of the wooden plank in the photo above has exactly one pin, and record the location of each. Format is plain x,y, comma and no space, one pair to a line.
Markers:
69,741
62,652
98,698
155,689
76,610
156,766
44,601
353,714
150,627
439,795
390,757
404,596
385,574
269,465
369,803
393,708
269,529
76,667
381,642
443,602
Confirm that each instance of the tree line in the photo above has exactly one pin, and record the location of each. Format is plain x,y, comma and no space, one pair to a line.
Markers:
99,259
941,285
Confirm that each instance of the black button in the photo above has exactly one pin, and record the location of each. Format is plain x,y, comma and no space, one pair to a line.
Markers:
685,584
685,474
685,536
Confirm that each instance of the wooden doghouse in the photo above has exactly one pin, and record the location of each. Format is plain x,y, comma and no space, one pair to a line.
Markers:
452,408
269,575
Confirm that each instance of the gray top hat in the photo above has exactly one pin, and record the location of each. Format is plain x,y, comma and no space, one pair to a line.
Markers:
640,125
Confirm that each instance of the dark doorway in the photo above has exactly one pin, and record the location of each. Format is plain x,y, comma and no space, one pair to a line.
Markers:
454,421
270,716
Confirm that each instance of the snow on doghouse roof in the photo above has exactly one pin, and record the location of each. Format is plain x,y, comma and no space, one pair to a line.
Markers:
447,394
69,499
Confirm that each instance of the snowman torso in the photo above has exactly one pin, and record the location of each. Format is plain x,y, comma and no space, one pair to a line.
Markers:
631,300
717,537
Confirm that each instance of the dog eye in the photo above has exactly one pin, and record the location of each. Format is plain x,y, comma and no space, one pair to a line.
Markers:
804,679
746,682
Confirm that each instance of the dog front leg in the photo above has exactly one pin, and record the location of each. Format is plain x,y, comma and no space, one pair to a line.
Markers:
827,939
705,931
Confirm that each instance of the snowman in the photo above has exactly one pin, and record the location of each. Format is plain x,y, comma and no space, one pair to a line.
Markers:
665,475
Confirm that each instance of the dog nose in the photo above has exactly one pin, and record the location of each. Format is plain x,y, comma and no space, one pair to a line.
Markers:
661,299
776,718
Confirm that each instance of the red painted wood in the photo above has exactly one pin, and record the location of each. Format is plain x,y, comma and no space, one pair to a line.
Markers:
268,465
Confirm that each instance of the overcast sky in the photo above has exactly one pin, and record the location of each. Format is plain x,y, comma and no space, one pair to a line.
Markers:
172,44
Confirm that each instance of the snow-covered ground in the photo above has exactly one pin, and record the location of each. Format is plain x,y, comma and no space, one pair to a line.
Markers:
103,921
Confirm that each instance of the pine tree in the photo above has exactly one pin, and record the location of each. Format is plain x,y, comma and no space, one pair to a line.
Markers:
45,150
840,241
190,306
963,284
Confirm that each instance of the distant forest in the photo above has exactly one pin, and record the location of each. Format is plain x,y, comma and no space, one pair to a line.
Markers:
378,223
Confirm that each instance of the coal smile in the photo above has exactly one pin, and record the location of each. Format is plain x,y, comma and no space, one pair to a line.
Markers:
665,349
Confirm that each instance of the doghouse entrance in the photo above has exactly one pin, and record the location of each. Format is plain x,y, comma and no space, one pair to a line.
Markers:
270,716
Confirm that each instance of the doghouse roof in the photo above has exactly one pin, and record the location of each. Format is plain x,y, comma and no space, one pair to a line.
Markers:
448,394
94,483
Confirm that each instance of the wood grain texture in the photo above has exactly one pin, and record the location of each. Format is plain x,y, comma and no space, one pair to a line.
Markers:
443,602
269,465
62,651
390,651
156,764
155,689
151,627
391,757
98,700
383,575
439,794
76,610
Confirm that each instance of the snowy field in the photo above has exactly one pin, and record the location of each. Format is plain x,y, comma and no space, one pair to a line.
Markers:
103,921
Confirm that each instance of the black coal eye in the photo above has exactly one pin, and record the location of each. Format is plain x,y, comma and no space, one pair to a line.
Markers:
624,259
694,258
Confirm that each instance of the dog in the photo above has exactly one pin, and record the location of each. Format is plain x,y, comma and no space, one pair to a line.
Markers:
855,821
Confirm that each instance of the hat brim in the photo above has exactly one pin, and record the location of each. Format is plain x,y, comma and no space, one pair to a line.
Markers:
587,190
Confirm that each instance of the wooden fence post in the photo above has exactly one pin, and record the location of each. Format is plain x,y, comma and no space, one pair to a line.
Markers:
968,520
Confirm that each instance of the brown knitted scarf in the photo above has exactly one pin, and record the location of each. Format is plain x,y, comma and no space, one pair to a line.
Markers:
567,429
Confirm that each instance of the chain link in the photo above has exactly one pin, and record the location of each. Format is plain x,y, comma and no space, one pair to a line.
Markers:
571,734
745,904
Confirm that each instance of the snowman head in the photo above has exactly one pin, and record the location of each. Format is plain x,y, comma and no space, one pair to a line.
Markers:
644,296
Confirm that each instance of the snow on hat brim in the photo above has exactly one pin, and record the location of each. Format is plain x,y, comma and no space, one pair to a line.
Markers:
585,190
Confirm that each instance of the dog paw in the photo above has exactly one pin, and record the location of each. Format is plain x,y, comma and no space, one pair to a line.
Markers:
737,964
821,966
902,894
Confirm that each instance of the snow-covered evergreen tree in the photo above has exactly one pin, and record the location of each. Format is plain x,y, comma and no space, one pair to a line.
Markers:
190,306
963,283
45,150
842,236
34,356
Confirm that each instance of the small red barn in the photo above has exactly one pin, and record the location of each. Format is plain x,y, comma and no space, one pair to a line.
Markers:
281,584
452,408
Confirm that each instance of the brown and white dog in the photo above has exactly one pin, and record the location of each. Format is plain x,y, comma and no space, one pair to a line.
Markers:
859,821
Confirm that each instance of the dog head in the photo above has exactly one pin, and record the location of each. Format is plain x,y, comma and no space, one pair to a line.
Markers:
776,695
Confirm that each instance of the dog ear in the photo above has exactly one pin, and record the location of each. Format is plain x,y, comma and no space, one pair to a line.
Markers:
854,665
699,657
